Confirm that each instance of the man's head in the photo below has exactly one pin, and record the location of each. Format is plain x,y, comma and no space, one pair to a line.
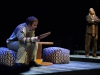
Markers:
32,22
92,11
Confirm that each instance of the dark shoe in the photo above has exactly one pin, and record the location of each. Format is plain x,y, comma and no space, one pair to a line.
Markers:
32,63
17,64
94,55
20,67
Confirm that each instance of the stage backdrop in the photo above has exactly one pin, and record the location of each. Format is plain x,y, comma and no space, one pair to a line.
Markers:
65,20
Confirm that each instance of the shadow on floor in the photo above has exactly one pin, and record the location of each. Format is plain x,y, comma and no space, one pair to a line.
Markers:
7,70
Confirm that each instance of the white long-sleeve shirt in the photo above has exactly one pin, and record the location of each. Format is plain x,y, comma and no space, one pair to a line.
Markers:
22,34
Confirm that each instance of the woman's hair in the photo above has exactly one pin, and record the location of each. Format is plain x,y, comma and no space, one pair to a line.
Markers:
31,19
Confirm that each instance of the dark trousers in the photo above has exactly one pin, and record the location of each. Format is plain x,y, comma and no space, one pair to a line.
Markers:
90,44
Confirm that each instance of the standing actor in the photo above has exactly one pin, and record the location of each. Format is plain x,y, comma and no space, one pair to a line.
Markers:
91,32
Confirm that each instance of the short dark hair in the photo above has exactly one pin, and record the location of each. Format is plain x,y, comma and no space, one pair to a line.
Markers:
31,19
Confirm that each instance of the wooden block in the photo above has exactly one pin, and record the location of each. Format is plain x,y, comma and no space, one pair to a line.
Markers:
39,53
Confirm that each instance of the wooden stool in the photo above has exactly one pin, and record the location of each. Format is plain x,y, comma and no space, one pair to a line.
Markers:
39,53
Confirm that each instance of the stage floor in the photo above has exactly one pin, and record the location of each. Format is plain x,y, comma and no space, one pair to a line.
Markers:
83,56
65,68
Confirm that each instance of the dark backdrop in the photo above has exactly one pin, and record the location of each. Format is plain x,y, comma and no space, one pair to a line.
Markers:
65,19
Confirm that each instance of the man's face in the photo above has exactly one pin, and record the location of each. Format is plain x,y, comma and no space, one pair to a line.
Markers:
34,25
92,12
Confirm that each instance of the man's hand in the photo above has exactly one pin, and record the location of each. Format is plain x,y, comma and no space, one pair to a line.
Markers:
36,39
96,37
98,21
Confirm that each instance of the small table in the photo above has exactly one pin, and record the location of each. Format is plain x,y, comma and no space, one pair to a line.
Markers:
39,53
